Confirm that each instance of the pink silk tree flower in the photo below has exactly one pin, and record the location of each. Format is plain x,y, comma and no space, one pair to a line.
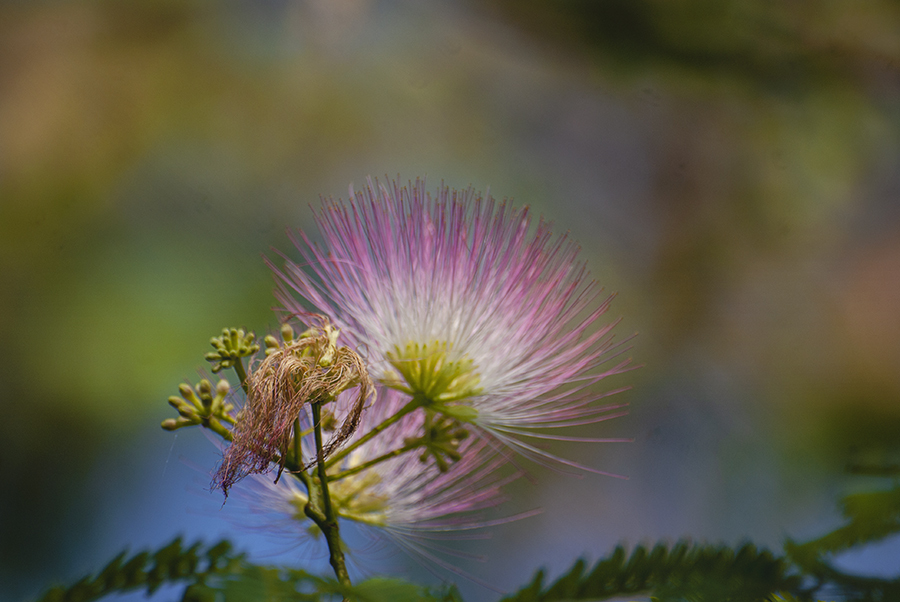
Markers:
464,304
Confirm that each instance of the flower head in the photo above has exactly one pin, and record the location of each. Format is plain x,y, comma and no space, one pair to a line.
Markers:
461,304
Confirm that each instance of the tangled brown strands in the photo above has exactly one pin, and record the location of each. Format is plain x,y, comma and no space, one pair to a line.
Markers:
282,384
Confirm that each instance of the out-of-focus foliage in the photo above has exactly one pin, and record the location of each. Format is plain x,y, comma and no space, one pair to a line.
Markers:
775,133
873,515
729,167
768,45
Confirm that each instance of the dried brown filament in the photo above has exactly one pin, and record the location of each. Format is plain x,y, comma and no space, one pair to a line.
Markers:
310,369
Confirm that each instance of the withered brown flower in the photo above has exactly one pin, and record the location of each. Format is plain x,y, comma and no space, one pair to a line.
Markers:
310,369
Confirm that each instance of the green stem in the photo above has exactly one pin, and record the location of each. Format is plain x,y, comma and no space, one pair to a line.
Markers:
242,375
298,447
320,460
302,477
218,428
324,517
413,404
373,462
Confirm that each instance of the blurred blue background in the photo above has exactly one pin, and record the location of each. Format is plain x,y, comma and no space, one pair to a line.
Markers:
730,168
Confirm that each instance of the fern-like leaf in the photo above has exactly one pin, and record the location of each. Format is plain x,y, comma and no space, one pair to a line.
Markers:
681,572
145,571
217,574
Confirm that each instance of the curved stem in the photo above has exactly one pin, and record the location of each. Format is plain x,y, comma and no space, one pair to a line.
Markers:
242,375
320,461
323,514
413,404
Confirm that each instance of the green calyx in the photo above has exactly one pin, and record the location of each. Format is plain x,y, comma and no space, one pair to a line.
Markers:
429,371
441,438
200,406
230,348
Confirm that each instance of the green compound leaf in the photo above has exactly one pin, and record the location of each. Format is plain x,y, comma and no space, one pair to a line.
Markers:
270,584
217,574
147,571
680,573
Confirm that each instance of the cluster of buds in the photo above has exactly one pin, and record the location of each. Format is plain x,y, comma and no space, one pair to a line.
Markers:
200,407
233,345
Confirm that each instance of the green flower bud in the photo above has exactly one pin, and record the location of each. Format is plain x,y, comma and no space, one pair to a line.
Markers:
272,344
188,393
170,424
189,413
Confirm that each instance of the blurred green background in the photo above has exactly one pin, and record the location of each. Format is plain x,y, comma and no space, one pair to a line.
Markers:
731,168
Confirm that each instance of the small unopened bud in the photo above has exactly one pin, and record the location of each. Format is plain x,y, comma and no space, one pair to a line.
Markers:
271,343
188,393
188,412
170,424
